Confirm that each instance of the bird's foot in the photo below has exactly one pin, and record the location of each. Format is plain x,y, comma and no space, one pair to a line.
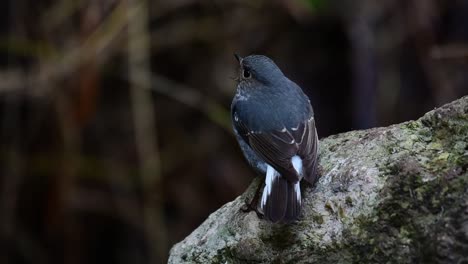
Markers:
251,206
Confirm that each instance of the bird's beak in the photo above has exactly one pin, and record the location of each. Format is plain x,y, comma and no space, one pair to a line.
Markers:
238,58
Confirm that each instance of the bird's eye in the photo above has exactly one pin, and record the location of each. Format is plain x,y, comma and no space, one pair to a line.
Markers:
246,74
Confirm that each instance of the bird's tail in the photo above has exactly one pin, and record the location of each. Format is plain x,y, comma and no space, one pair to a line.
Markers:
281,200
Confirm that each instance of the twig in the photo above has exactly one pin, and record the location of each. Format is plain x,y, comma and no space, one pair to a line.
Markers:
12,171
66,180
145,132
12,175
192,98
96,47
450,52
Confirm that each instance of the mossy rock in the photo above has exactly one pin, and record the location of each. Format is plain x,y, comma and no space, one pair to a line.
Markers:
395,194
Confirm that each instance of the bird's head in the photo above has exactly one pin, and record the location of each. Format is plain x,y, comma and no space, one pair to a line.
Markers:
258,68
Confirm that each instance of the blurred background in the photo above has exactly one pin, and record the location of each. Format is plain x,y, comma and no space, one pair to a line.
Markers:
115,135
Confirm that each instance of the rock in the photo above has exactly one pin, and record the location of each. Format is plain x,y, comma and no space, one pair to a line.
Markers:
396,194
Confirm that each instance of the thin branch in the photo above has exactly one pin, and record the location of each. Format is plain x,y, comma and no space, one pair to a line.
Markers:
193,98
450,52
97,47
145,128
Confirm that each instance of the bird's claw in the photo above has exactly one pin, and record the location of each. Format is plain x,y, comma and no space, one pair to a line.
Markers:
251,206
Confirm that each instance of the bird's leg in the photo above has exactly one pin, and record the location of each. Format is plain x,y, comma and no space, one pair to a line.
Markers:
253,205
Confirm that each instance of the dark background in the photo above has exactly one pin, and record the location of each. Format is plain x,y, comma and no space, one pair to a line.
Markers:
115,136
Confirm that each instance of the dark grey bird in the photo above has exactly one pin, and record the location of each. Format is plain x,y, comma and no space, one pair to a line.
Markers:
274,124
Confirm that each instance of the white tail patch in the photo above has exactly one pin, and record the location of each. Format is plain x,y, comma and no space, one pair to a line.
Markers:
297,164
297,189
271,175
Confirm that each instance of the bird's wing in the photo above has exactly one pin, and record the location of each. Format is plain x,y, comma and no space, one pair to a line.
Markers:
309,152
277,147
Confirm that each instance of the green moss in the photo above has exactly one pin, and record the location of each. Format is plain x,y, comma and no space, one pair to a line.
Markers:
341,212
223,255
279,237
402,224
428,167
318,218
330,207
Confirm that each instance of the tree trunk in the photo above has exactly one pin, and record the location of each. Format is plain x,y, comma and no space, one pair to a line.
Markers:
396,194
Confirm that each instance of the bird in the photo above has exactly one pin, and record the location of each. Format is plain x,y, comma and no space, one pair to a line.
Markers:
274,124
